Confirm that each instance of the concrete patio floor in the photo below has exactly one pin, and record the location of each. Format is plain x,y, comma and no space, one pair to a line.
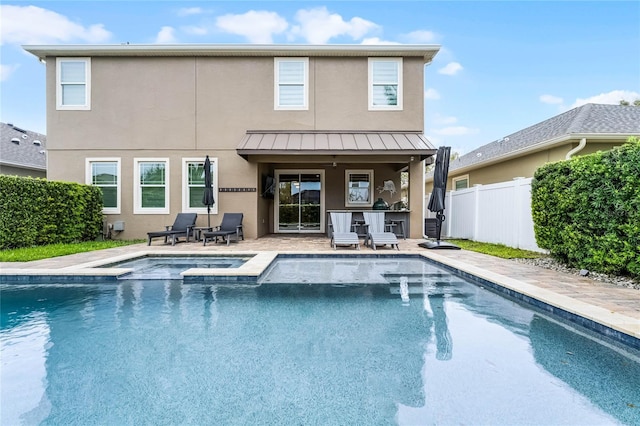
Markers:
607,304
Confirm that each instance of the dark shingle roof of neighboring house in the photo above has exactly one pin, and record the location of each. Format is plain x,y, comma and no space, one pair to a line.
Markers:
22,148
584,121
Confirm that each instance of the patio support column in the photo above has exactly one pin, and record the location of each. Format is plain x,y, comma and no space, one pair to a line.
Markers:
416,198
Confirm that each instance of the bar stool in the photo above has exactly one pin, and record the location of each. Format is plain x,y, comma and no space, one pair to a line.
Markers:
398,227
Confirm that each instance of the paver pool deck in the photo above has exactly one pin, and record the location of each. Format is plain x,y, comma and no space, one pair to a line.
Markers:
613,306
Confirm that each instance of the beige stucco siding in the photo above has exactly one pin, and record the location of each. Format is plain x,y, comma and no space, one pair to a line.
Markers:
179,107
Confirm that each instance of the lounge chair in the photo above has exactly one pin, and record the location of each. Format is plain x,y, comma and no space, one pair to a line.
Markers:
181,227
231,225
342,232
377,235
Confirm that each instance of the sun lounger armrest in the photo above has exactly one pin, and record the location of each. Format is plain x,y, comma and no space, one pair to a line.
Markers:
240,231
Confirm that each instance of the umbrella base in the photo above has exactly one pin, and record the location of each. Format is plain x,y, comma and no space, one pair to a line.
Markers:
438,245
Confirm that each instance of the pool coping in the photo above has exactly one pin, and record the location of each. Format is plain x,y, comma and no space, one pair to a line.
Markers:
618,326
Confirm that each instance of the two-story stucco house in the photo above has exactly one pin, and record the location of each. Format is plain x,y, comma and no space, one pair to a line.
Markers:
293,131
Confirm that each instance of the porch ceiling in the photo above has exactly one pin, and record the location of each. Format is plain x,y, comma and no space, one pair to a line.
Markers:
376,145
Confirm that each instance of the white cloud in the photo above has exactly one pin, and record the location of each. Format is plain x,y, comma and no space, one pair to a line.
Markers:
455,131
7,70
614,97
256,26
35,25
377,41
444,120
420,36
166,35
187,11
431,93
550,99
318,26
452,68
195,30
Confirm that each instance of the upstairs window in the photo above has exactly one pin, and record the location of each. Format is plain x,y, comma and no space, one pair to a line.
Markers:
105,174
291,83
151,190
73,83
385,83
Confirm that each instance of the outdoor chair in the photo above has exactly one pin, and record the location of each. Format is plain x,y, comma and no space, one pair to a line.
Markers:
181,228
342,232
377,234
231,225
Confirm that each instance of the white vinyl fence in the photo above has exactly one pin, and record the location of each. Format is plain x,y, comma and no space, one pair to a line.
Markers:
497,213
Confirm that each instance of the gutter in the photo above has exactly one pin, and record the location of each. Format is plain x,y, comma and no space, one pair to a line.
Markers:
581,145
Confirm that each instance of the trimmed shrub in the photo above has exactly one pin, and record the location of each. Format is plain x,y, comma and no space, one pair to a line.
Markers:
586,211
37,212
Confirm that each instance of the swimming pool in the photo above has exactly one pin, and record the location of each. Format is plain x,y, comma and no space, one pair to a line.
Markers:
171,267
366,341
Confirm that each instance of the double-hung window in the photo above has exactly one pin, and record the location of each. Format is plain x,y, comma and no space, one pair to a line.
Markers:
151,186
385,84
291,83
359,188
105,174
461,182
73,83
193,185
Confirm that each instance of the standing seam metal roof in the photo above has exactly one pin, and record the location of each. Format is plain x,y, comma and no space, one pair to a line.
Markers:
322,143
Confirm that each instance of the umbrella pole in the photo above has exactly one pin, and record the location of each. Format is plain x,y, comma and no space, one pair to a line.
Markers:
208,217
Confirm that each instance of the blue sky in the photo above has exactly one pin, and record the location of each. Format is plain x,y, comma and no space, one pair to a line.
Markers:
503,65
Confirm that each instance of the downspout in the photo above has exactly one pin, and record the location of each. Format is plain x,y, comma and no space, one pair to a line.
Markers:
582,144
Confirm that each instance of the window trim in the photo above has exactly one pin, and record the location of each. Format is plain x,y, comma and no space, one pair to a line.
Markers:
457,179
185,185
137,195
89,179
87,83
348,172
276,84
397,107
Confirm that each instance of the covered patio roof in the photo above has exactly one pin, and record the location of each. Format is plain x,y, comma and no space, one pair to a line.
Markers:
378,145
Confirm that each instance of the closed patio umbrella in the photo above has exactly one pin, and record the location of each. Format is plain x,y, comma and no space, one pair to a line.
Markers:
438,194
207,197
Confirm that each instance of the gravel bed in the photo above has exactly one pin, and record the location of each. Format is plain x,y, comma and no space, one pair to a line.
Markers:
550,263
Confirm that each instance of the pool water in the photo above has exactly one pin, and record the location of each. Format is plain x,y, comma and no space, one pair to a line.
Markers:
415,345
170,267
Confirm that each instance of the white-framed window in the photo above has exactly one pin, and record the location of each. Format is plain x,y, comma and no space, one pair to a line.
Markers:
385,84
359,188
105,173
291,83
151,186
73,83
460,182
193,185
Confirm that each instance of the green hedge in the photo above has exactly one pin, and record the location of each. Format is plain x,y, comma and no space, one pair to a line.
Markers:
586,211
38,212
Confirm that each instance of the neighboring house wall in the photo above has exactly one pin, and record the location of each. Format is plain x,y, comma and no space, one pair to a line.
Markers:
184,107
520,154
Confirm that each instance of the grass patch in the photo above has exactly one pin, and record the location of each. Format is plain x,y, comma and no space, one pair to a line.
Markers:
498,250
27,254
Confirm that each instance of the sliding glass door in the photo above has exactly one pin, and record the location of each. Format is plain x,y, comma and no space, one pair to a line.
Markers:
299,206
